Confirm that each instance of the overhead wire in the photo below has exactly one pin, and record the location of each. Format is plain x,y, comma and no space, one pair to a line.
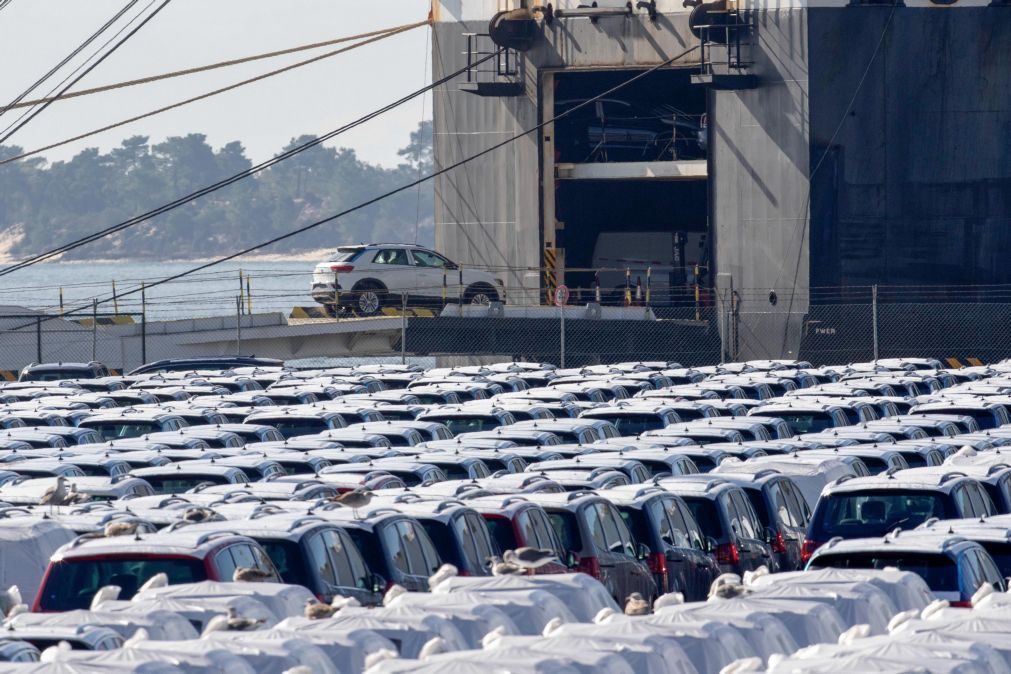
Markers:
210,94
35,113
407,186
195,70
176,203
69,57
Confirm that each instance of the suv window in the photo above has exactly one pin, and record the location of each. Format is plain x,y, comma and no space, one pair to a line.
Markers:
319,560
799,512
543,530
482,541
396,256
412,547
345,576
426,258
432,559
746,516
680,531
613,539
461,527
939,571
981,502
225,565
876,512
991,574
396,554
526,527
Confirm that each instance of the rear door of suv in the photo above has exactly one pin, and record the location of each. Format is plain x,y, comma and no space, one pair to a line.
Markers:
745,524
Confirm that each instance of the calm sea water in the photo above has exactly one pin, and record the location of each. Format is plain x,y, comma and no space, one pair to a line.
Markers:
273,286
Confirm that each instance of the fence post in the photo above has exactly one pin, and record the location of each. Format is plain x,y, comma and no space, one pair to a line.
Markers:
38,339
94,329
460,291
238,325
561,313
403,328
874,317
143,323
336,296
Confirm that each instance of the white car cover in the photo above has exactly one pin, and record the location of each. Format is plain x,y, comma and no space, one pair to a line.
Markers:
159,625
474,620
706,649
529,609
929,656
285,650
644,655
27,544
347,649
810,474
587,661
906,590
283,600
810,622
584,595
190,657
978,626
480,662
198,611
857,603
87,667
763,630
409,633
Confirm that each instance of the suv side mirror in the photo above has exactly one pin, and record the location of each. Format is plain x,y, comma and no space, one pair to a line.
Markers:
374,582
770,534
643,551
571,560
710,544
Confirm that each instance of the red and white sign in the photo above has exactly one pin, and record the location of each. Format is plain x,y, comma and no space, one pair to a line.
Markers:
561,296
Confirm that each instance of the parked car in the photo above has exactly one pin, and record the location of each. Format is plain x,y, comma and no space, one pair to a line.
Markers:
368,278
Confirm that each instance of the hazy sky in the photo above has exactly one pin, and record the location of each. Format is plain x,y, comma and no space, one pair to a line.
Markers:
264,116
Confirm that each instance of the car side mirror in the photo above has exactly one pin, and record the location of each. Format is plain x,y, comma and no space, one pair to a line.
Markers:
770,534
571,560
710,544
643,551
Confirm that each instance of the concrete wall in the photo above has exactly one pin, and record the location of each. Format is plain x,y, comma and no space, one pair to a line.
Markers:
758,176
916,188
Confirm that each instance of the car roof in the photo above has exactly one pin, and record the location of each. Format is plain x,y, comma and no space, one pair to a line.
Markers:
914,478
920,541
184,542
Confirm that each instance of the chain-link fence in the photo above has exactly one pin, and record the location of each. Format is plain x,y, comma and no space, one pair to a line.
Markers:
825,326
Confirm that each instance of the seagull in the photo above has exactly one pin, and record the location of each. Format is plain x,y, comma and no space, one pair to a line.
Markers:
317,610
359,498
529,558
120,528
55,495
232,622
245,574
636,605
199,515
669,599
445,572
500,568
10,598
75,496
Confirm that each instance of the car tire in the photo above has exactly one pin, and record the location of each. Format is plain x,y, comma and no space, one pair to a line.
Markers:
369,298
481,294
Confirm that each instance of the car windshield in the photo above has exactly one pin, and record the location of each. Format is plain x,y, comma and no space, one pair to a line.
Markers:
803,422
180,484
634,424
128,428
346,254
287,557
291,428
705,514
474,424
985,418
875,513
939,571
73,583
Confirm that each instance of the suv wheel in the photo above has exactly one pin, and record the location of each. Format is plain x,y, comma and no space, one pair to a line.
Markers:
481,294
369,298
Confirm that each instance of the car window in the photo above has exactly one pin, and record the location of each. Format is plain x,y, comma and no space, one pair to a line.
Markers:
345,576
542,529
462,530
991,574
780,504
416,561
797,506
679,529
426,258
627,540
963,502
980,500
613,541
243,556
359,569
225,565
750,526
432,558
971,572
482,540
595,527
395,256
526,528
396,555
319,559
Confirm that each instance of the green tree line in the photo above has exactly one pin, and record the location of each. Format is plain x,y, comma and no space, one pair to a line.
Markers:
52,203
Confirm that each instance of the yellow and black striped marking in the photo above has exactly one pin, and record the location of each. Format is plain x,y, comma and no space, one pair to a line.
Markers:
550,260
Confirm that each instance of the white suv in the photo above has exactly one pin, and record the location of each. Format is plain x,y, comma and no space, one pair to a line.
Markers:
374,276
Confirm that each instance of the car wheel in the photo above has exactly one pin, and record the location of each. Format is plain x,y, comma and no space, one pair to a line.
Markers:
370,297
481,294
